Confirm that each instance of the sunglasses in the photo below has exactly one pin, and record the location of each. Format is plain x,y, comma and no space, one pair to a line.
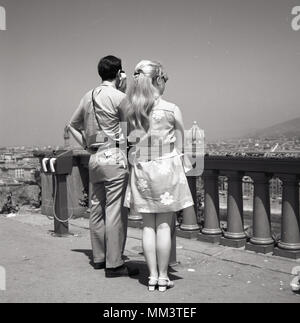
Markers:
165,78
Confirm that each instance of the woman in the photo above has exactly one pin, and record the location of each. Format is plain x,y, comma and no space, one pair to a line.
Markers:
158,186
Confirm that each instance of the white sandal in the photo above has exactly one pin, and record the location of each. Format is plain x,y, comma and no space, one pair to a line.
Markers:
153,281
295,284
164,284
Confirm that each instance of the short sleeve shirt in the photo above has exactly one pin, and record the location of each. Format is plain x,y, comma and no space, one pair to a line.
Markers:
108,100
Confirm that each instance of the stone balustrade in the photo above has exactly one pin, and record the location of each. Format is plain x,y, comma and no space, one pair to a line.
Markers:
260,169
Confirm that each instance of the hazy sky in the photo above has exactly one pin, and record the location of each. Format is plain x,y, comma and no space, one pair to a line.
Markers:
234,65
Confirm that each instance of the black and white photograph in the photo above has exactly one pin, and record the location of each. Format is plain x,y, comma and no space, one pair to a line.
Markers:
149,154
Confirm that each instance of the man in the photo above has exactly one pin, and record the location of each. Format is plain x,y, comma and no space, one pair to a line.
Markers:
96,126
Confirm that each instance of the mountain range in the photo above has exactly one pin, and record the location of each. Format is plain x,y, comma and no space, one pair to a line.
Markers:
286,129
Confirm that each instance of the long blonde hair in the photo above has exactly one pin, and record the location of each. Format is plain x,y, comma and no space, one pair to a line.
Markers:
142,94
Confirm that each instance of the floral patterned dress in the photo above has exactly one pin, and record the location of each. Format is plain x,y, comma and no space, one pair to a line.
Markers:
158,184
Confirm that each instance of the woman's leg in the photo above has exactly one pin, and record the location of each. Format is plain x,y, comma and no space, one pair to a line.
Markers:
163,242
149,243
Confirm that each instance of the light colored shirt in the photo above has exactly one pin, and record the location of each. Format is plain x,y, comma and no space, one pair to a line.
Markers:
108,100
159,141
162,123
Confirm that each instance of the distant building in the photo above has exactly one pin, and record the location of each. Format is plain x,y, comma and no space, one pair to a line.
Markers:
248,188
17,166
275,188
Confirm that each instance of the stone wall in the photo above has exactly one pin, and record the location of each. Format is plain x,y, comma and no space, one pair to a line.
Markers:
21,194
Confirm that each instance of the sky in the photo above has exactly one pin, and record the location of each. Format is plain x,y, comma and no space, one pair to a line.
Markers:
233,65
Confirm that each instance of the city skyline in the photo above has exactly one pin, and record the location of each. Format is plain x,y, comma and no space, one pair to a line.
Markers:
233,65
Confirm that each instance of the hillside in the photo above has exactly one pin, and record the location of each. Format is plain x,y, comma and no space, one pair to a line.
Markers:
287,129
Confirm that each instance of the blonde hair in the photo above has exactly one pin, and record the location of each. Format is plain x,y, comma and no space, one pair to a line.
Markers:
142,94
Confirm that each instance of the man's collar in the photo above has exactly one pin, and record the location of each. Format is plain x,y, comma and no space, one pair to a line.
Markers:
108,83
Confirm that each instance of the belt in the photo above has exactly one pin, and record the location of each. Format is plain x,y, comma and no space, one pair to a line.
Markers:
95,149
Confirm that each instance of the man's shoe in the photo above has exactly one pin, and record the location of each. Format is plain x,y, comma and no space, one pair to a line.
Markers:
122,271
99,265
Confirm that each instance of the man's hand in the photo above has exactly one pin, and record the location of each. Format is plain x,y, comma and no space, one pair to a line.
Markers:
77,135
122,83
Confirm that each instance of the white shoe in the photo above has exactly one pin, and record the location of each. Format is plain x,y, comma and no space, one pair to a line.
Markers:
295,284
164,284
153,281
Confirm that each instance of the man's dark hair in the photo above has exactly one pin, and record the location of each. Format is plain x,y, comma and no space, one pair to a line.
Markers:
108,68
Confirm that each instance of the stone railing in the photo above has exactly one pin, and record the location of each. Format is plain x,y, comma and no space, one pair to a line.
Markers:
259,169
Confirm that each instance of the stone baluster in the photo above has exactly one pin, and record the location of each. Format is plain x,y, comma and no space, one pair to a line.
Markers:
289,245
211,231
261,241
189,225
235,235
135,219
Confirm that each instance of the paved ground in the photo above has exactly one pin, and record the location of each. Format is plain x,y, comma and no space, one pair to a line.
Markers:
41,268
